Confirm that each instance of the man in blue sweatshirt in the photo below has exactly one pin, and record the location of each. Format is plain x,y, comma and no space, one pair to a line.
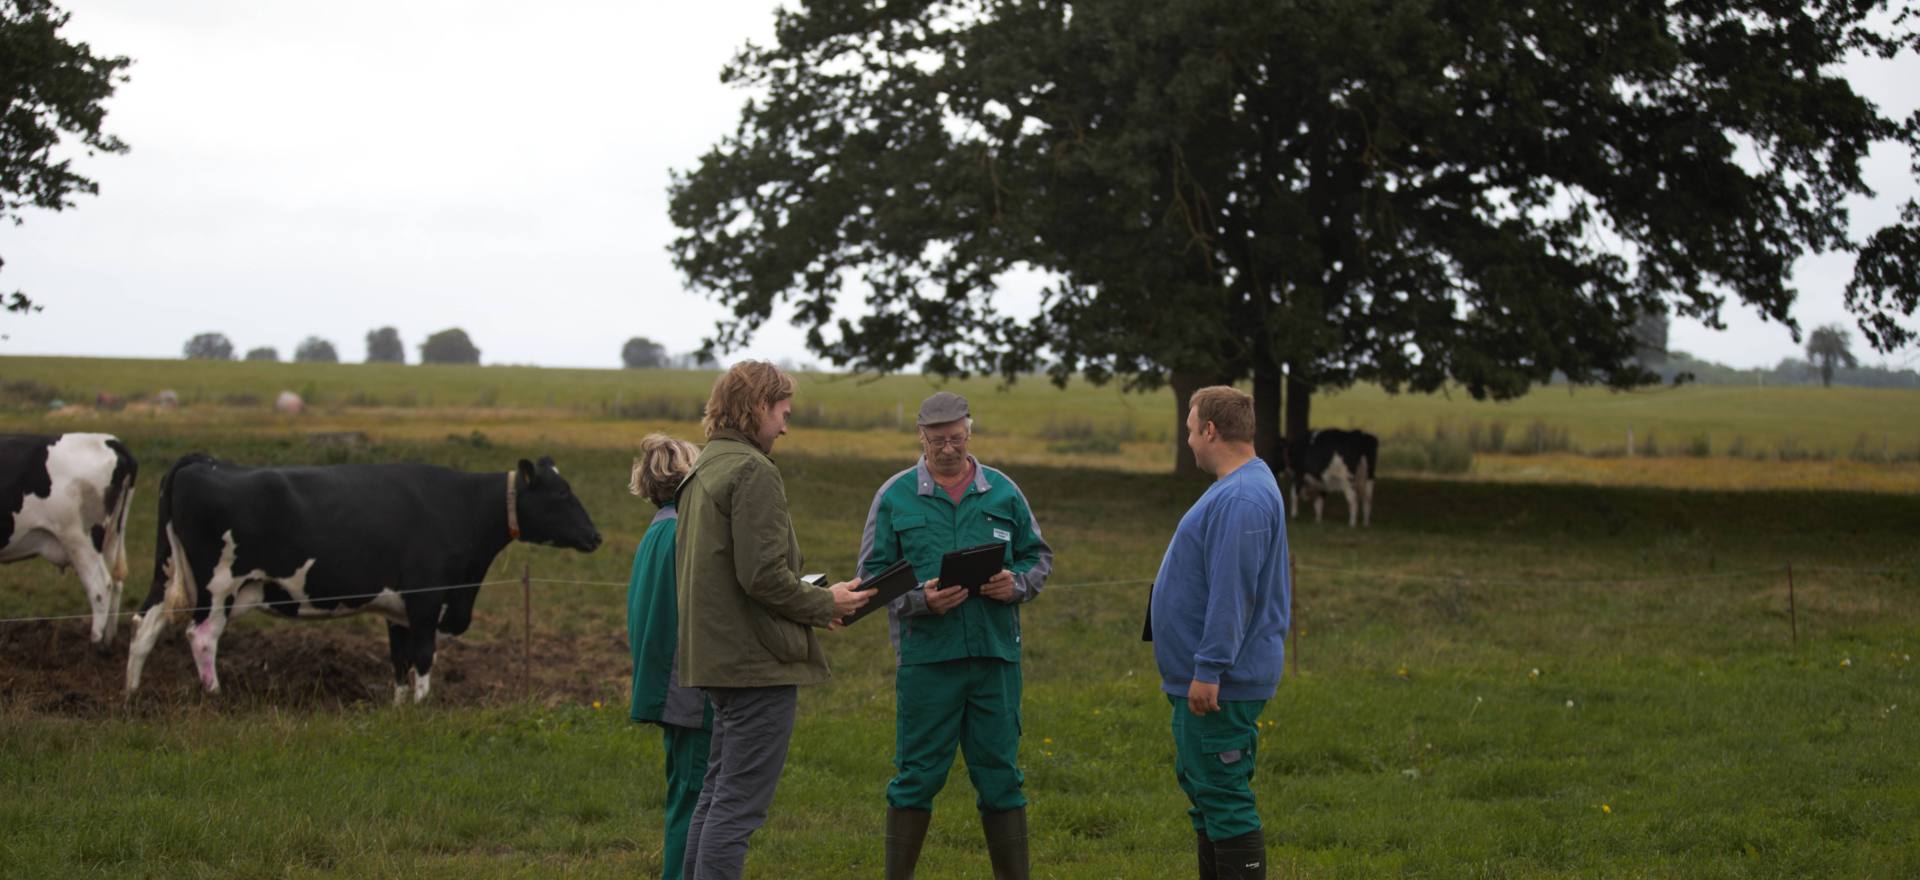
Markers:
1218,619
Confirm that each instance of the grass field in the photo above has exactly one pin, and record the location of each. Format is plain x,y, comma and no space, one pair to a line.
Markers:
1465,700
1856,422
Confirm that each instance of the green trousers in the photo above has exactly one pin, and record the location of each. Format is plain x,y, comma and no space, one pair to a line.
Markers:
687,749
1213,760
972,704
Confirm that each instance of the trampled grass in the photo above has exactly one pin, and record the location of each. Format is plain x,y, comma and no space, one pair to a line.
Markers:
1699,741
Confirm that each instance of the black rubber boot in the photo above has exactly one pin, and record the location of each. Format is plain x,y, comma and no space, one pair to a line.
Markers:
1007,843
906,830
1241,858
1204,845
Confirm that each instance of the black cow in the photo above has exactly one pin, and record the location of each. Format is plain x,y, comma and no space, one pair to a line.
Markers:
1332,460
405,541
64,499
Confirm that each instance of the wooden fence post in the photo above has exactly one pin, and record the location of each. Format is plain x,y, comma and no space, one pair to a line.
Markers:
526,645
1793,616
1293,623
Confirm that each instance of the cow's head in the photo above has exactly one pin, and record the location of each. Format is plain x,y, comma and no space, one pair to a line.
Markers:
548,511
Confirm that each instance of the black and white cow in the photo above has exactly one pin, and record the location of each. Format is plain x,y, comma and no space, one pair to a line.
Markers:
405,541
1332,460
64,499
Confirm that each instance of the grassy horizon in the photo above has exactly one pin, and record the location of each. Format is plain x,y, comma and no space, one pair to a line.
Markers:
1762,421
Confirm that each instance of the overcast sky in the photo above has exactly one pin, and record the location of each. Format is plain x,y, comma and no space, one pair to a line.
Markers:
305,168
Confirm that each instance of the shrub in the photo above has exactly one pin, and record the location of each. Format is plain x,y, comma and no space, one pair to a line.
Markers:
383,347
208,347
265,353
450,346
314,350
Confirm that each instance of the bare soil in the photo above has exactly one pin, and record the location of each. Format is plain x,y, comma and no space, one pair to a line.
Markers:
51,667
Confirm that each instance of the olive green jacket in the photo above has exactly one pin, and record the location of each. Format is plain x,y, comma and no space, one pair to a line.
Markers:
745,617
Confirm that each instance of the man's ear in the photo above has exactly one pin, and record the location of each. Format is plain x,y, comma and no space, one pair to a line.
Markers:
527,472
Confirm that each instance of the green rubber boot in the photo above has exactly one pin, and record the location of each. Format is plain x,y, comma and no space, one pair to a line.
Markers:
1241,858
906,831
1007,843
1204,845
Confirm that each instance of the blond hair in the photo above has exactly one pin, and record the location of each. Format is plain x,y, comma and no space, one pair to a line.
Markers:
1228,408
738,393
664,461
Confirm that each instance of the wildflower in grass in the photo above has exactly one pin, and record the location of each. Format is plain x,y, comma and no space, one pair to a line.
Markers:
1847,662
1403,672
1606,809
1534,674
1569,704
596,704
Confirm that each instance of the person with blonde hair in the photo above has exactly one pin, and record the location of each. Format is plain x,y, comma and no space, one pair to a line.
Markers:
747,620
1218,621
684,714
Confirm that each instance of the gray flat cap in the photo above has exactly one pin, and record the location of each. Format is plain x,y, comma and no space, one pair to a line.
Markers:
941,408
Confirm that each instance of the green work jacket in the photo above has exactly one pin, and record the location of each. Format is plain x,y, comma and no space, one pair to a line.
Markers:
653,624
913,518
746,618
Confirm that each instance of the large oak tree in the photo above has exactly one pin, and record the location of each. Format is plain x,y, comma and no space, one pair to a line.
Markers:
48,86
1407,192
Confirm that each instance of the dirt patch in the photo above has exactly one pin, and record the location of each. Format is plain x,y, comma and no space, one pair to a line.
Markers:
50,667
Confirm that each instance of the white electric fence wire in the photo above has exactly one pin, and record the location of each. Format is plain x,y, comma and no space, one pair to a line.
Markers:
1444,578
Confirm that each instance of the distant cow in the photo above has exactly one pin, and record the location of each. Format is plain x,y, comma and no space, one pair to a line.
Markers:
64,499
408,542
1332,460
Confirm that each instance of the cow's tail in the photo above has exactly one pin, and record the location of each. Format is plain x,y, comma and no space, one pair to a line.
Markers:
173,588
125,472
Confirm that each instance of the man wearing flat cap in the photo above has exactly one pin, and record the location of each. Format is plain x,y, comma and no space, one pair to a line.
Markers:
958,686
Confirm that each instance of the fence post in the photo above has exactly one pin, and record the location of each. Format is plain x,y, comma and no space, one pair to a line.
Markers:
526,644
1293,623
1793,616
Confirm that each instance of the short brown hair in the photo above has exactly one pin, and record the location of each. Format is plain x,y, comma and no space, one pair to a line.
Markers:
1229,409
738,393
664,461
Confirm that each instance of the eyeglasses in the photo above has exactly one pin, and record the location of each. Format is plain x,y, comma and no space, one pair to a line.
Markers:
948,442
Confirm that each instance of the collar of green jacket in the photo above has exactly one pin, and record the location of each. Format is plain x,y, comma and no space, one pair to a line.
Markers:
739,437
928,484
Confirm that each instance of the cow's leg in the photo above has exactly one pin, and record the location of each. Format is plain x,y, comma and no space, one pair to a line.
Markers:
101,595
204,637
423,619
1319,505
1296,501
1353,504
151,624
399,647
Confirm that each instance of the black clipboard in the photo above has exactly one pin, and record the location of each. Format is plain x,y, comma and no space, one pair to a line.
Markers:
972,567
892,582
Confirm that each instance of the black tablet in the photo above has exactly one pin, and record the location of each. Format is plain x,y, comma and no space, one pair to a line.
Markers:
892,582
972,567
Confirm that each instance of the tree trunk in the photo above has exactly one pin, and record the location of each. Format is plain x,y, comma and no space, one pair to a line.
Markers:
1184,384
1299,405
1267,444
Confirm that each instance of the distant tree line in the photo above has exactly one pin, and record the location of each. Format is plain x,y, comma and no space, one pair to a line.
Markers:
450,346
641,353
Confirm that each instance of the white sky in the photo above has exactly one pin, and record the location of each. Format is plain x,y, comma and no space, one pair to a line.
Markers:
323,169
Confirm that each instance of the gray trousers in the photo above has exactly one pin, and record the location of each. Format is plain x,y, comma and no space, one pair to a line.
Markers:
751,727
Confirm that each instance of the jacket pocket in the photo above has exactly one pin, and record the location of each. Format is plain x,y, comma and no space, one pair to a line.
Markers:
783,638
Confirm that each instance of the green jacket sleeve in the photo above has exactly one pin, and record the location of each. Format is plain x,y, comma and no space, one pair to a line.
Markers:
763,543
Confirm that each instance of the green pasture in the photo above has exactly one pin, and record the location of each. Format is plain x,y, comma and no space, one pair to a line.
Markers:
1463,726
1863,422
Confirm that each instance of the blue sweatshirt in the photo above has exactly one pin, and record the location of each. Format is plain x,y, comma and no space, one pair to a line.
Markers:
1220,604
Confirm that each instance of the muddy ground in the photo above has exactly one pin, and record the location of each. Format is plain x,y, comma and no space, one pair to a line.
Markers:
51,667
